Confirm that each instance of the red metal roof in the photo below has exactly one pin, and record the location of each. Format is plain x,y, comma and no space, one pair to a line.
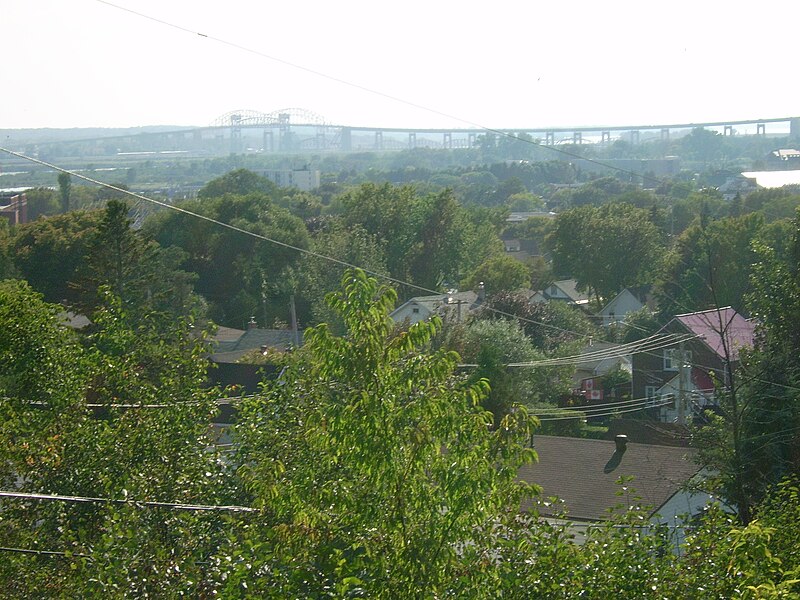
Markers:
720,325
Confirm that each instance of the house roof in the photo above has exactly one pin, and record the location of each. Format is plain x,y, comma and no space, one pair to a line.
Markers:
569,287
600,366
253,339
435,303
583,473
719,328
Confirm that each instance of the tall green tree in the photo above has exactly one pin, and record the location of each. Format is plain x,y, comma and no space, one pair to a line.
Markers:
606,248
64,190
144,276
709,265
50,253
375,464
120,414
233,268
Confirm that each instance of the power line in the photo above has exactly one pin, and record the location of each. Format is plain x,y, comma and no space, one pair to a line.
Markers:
141,503
610,413
57,553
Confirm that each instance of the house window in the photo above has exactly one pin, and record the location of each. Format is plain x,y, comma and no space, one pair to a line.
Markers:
415,310
650,391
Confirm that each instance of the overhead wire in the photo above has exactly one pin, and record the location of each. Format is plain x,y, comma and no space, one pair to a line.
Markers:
126,501
611,413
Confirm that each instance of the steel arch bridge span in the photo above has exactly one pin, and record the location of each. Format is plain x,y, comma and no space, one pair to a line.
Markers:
254,118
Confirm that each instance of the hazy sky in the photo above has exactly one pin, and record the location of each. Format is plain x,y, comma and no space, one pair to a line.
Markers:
501,64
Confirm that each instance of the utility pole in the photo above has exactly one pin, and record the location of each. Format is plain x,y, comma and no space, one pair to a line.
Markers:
294,321
682,384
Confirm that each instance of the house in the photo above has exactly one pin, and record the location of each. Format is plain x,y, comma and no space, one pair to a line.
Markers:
232,344
627,301
304,180
601,358
584,475
452,305
564,290
784,157
737,186
14,207
718,336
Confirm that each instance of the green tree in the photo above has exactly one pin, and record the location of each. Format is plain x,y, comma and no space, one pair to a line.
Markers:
42,201
49,253
606,248
758,443
709,265
232,267
64,190
499,273
144,276
375,465
492,344
121,414
240,182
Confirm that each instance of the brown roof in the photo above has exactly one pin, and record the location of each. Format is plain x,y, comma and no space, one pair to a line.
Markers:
583,473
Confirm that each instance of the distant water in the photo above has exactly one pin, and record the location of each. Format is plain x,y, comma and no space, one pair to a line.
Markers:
774,179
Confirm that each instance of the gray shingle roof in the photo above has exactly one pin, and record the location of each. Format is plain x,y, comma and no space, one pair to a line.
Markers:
583,473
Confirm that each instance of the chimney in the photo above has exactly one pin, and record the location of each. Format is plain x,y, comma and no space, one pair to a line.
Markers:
622,443
481,292
251,324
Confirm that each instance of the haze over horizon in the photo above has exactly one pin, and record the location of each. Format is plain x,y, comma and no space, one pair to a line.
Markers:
89,63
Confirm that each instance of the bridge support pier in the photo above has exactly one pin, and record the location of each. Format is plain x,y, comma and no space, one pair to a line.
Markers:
605,137
268,142
635,137
379,140
346,139
577,137
665,135
549,138
412,140
727,130
471,140
447,140
761,129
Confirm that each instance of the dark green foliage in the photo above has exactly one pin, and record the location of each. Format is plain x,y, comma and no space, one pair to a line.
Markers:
499,273
239,275
240,182
547,324
50,253
607,248
64,189
709,266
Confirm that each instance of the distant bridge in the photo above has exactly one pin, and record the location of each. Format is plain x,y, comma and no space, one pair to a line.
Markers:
299,130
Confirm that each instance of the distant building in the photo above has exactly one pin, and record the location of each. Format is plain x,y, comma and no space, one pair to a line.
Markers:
584,474
453,305
304,180
784,157
14,207
627,301
737,186
562,291
704,362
